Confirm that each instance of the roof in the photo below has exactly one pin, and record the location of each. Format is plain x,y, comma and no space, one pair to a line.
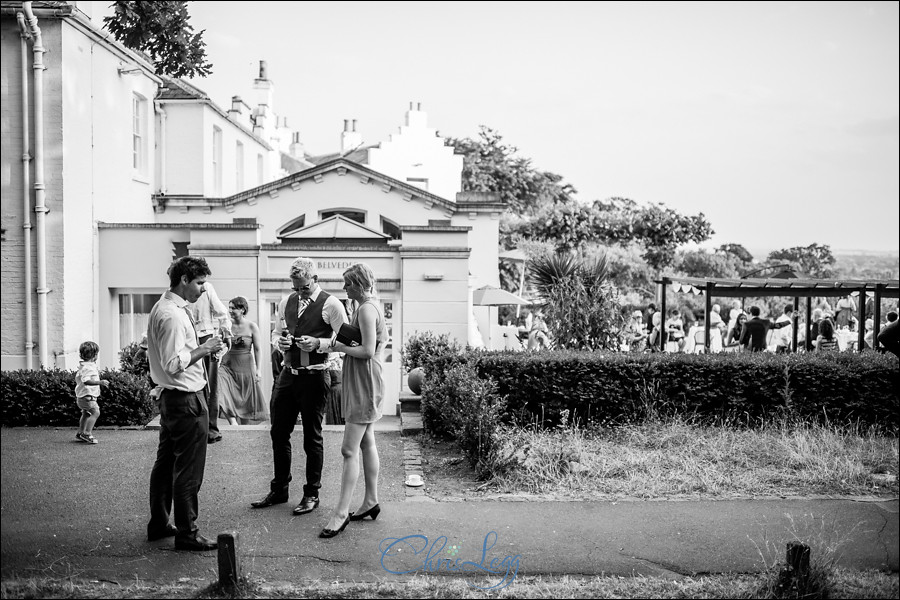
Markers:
359,155
740,288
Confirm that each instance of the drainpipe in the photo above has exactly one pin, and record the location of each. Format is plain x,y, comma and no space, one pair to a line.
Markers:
40,206
26,191
162,146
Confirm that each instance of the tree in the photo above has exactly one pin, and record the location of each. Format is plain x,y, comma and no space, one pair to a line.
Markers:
161,30
580,304
814,260
699,263
737,251
489,165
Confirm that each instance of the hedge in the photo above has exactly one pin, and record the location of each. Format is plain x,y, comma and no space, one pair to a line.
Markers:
858,388
35,398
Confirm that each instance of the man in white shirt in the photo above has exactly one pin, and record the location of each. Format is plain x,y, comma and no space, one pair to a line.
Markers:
211,318
784,336
309,319
174,354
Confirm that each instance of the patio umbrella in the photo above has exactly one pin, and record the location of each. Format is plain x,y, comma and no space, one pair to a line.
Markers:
494,296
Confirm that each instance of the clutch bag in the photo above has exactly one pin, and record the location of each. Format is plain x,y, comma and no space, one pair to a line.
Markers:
349,335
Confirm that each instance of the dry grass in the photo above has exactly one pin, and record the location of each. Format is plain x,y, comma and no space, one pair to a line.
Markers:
673,458
843,584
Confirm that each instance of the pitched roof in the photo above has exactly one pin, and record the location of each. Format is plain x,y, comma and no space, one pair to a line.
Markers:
336,227
179,89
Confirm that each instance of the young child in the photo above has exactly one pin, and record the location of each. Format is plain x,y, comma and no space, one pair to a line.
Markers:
87,390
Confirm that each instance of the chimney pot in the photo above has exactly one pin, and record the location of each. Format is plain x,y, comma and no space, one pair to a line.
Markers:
354,124
410,106
346,125
419,106
262,69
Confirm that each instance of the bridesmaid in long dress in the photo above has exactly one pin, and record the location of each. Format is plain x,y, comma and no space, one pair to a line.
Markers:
241,397
362,400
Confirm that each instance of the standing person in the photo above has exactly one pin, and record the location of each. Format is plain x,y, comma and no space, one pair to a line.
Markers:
175,356
363,397
211,318
785,336
87,390
755,330
846,308
241,397
733,313
648,317
309,317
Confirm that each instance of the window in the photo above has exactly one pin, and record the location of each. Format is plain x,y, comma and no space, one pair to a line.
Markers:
139,135
353,215
239,167
391,229
217,161
134,314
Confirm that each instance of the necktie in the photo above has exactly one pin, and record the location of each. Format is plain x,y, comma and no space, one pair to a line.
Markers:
301,306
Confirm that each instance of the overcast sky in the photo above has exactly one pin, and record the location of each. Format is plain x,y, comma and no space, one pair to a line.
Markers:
778,121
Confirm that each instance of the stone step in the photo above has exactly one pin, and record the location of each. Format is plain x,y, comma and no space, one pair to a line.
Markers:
410,424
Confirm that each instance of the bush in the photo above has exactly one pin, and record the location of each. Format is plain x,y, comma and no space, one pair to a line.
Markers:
746,388
421,347
133,359
463,407
35,398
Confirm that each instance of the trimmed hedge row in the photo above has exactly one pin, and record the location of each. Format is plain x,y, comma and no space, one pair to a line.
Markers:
35,398
740,387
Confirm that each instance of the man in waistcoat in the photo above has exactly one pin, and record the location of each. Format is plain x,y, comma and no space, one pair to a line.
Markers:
309,317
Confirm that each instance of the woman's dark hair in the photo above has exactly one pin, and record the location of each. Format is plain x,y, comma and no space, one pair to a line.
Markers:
241,303
826,329
192,266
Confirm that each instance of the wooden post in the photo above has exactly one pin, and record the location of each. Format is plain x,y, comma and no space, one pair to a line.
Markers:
662,310
795,325
706,327
861,321
808,342
877,316
229,564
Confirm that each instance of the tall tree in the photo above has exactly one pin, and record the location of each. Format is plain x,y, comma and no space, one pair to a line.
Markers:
737,251
815,260
162,31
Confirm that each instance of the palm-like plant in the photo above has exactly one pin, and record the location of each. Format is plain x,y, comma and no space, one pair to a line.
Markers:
578,300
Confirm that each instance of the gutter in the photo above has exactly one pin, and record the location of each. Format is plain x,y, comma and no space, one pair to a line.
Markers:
26,193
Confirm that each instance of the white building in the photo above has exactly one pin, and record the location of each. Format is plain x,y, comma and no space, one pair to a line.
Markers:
149,168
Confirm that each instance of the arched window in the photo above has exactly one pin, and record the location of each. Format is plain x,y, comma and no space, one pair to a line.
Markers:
391,229
354,215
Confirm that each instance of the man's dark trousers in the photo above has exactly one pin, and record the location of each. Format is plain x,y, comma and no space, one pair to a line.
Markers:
303,394
212,398
180,460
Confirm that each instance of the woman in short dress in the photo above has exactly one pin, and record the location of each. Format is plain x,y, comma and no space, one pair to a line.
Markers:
241,397
362,400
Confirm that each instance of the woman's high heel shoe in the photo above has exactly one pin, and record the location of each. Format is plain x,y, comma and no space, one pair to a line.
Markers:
372,512
330,533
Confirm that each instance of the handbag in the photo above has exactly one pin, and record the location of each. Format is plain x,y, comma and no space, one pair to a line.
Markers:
349,335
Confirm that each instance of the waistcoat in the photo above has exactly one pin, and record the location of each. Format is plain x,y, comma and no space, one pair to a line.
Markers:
310,323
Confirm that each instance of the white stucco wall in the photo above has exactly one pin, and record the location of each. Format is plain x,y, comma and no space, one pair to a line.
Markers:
185,156
417,152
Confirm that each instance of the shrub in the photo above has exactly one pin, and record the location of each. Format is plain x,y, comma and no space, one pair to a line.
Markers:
463,407
35,398
133,359
420,347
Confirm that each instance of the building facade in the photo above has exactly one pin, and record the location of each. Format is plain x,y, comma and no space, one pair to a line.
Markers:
151,169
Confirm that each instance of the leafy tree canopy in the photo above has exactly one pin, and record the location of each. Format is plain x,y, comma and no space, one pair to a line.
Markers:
161,30
737,251
815,260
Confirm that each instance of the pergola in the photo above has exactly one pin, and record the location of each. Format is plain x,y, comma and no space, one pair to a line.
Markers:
798,288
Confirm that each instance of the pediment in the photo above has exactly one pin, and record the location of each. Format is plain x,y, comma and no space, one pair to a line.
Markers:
332,228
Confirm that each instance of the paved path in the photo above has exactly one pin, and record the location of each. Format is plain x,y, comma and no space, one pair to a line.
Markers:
72,509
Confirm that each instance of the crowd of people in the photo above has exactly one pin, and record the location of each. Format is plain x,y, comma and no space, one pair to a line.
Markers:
829,330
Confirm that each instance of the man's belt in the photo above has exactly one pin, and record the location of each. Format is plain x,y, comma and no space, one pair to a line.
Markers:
304,371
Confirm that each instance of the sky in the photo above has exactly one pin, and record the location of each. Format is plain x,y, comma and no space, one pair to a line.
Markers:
779,121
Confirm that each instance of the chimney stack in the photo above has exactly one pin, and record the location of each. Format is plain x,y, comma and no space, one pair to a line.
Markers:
350,139
415,117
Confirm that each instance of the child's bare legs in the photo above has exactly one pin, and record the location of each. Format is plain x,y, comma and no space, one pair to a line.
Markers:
89,416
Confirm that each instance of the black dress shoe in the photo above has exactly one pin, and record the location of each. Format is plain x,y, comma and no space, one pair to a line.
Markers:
158,534
330,533
271,499
307,505
372,512
197,543
213,440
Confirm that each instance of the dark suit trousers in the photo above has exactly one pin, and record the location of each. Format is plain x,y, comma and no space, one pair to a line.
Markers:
212,398
305,395
180,460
